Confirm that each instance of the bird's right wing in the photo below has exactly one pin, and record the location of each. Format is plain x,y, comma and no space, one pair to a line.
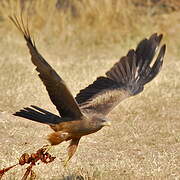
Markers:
56,87
126,78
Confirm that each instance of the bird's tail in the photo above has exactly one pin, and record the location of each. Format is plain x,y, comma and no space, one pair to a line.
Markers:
37,114
134,70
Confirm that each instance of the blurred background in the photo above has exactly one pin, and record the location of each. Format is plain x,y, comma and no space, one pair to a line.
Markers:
83,30
82,39
93,23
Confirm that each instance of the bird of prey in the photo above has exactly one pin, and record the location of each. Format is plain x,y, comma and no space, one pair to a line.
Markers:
87,112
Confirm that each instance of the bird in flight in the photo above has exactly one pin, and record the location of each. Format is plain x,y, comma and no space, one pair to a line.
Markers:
87,112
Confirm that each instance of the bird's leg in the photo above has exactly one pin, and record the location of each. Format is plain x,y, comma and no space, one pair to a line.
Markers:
71,150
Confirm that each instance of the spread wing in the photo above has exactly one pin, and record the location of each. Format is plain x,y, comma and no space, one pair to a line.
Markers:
126,78
56,87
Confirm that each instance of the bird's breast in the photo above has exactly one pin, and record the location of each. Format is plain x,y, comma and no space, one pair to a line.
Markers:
77,128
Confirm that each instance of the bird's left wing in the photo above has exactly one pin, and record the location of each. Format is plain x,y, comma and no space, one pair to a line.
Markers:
126,78
56,87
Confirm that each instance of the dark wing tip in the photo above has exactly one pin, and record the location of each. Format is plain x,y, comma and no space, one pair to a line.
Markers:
156,36
24,29
128,75
161,37
163,49
161,54
135,70
155,69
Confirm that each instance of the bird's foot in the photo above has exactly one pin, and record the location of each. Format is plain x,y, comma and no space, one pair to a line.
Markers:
65,162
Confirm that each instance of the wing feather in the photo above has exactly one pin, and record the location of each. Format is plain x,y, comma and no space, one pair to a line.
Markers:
56,87
126,78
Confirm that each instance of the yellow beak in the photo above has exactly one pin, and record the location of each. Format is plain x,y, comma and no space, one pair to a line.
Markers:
106,123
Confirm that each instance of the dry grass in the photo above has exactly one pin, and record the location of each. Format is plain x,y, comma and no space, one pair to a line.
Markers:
89,23
144,140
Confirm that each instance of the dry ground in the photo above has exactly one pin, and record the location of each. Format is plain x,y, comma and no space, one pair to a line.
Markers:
144,139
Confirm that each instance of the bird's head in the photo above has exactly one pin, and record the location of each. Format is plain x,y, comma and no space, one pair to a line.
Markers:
105,122
100,122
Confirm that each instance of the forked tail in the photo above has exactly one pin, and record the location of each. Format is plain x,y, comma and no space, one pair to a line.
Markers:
37,114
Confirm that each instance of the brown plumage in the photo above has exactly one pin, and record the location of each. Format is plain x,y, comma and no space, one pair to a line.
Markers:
86,113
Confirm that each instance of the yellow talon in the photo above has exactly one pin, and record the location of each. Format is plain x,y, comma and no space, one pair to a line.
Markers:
66,162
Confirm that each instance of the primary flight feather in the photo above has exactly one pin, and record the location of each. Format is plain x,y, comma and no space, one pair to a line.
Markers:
86,113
